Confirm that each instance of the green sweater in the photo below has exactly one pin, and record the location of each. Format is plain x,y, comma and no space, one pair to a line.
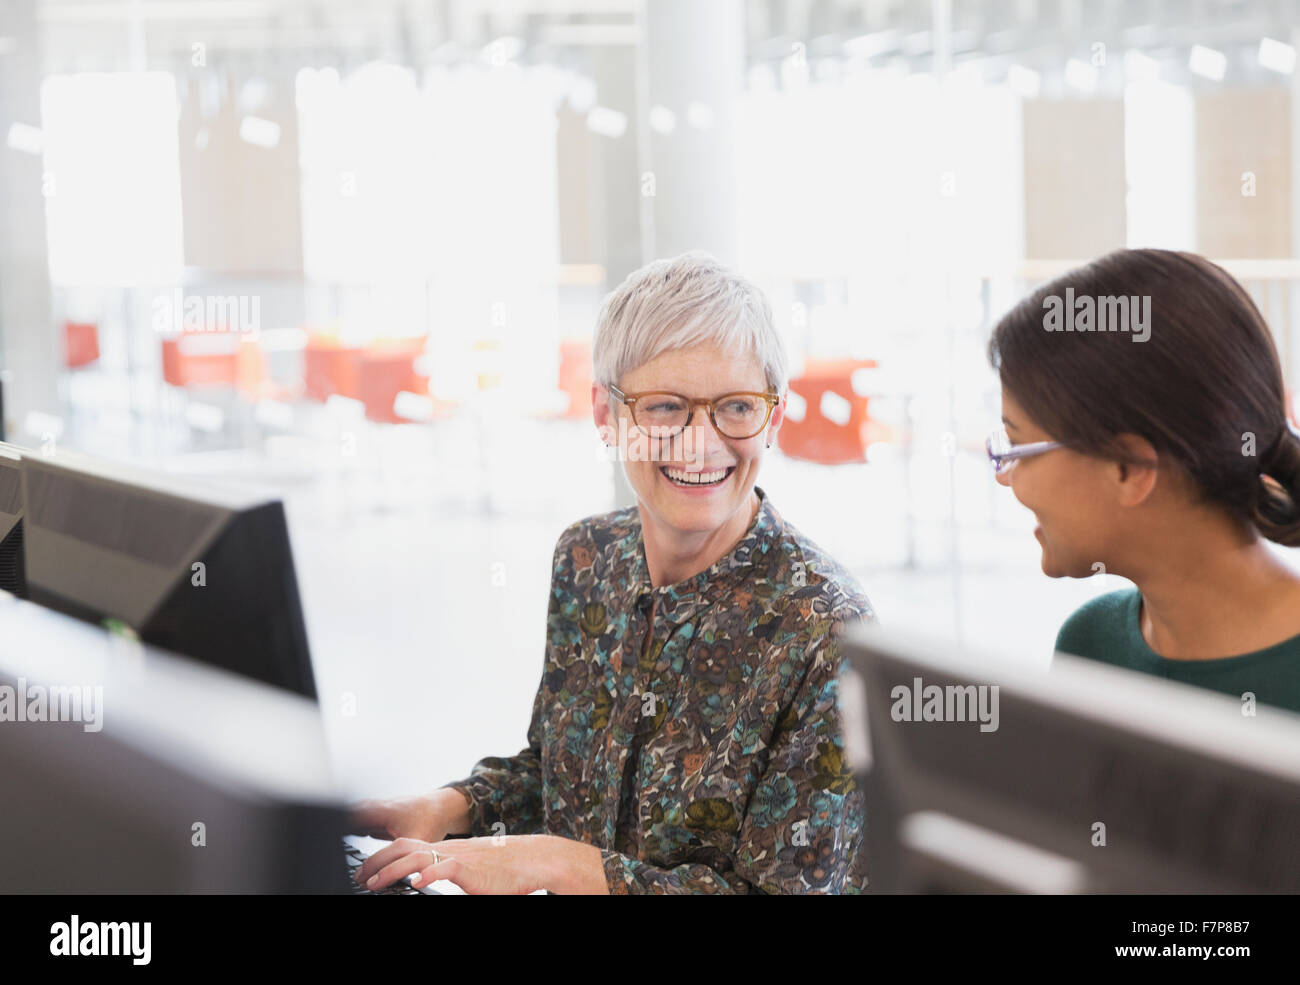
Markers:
1106,629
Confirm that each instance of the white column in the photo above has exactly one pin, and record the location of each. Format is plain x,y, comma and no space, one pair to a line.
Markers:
694,65
30,350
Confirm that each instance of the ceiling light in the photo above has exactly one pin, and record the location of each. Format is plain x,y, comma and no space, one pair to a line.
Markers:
1276,55
1207,63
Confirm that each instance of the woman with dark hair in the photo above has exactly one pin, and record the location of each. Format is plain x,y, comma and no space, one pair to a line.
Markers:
1145,426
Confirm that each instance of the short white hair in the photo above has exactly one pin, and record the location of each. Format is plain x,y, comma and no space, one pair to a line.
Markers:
681,302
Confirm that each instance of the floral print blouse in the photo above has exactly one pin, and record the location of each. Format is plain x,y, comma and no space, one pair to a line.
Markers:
707,756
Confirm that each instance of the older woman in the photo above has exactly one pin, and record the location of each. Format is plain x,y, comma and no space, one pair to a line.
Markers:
685,736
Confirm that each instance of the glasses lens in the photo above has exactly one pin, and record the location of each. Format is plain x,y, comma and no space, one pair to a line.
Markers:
999,444
739,415
661,414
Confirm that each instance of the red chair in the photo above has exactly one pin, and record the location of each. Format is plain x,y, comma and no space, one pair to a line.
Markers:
330,368
80,343
386,369
817,438
575,376
214,359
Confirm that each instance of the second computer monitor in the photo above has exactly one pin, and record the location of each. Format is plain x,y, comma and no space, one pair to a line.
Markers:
207,574
982,775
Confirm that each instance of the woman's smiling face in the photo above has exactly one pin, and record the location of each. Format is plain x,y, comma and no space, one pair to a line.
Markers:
701,372
1068,495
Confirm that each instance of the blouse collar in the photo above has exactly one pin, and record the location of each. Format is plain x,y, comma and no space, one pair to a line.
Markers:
682,601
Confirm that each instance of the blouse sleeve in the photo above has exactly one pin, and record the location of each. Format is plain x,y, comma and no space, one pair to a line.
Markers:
626,875
802,832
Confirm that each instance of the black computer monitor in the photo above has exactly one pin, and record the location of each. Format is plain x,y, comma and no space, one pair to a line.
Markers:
1078,779
142,772
202,571
13,577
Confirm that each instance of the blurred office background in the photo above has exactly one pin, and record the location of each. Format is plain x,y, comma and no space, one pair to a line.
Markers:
354,251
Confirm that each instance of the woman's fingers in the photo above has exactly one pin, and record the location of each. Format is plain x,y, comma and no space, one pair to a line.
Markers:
396,861
447,868
397,870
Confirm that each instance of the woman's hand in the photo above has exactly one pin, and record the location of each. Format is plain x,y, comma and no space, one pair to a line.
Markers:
507,864
430,817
